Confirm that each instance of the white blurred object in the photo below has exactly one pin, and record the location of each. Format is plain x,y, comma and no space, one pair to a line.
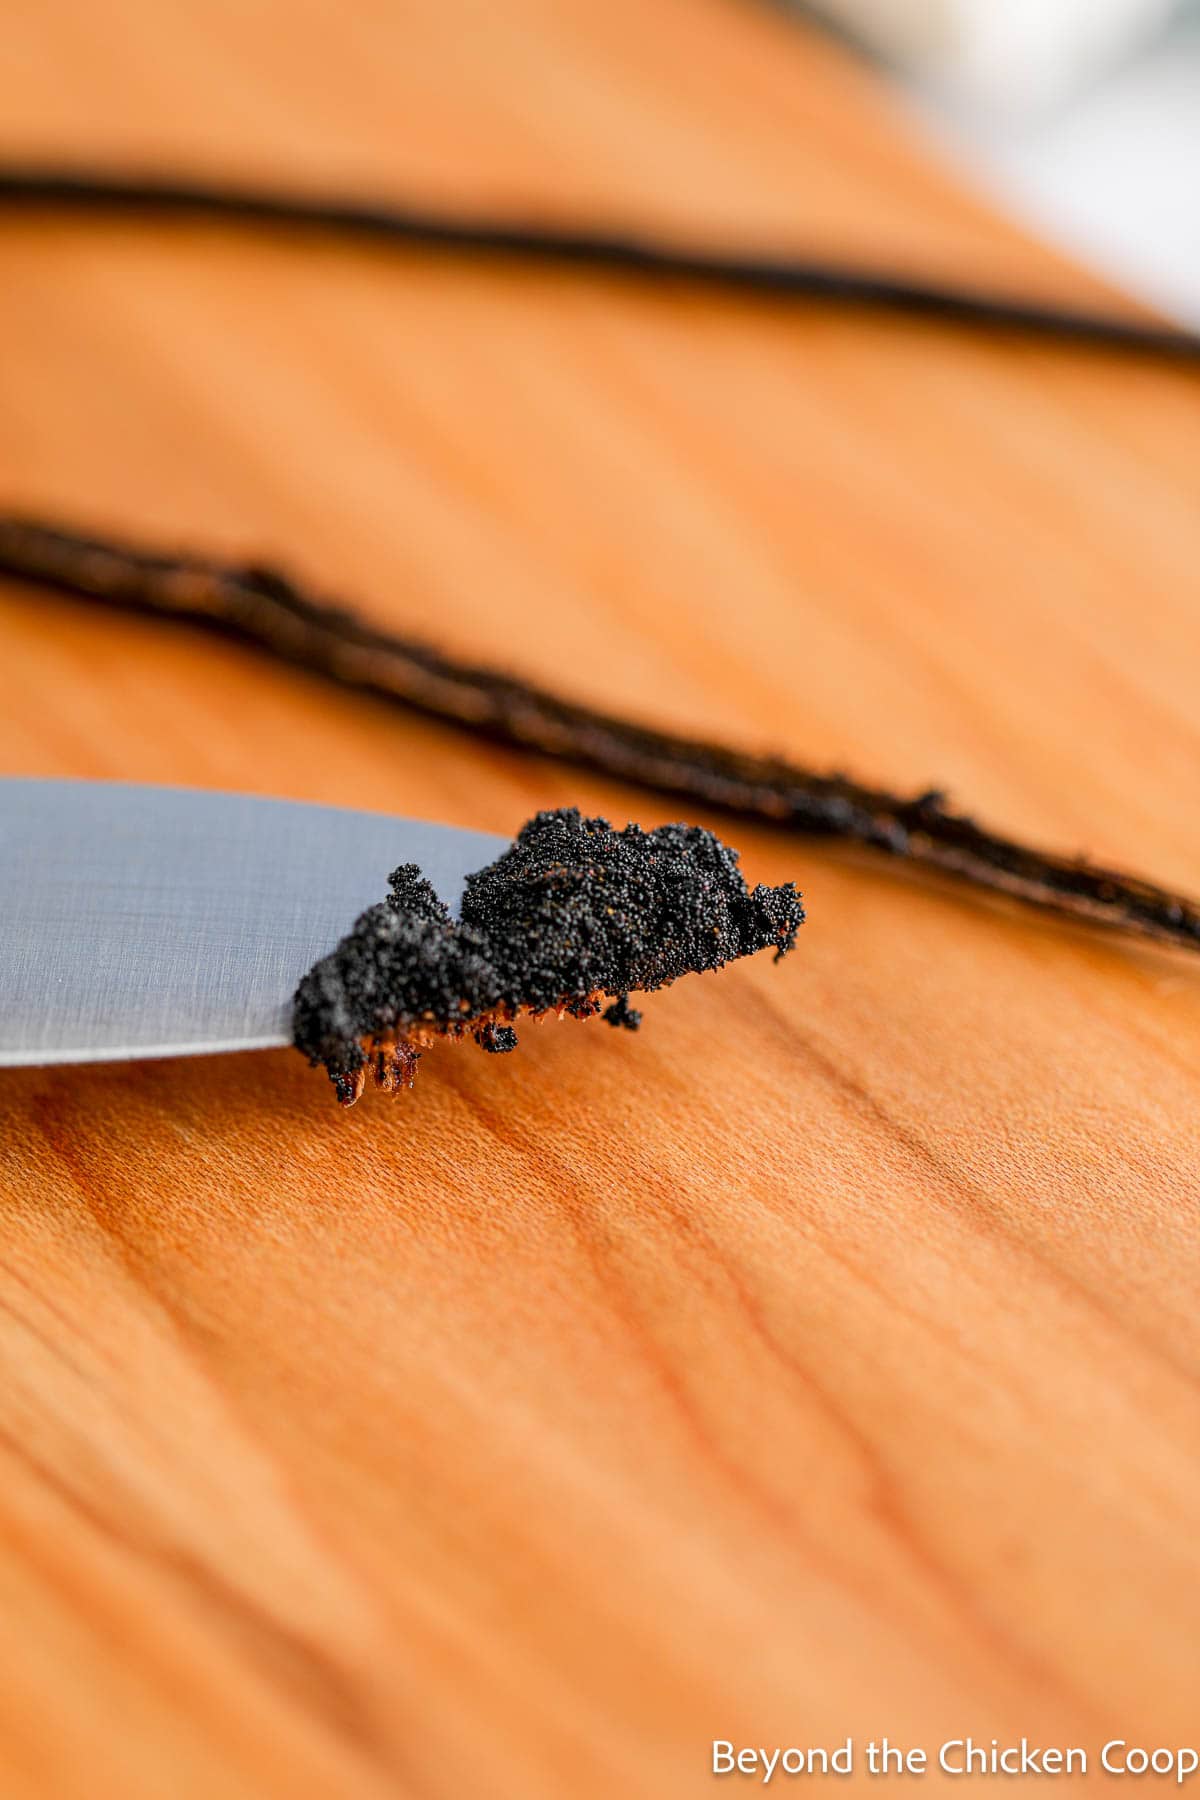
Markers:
1113,177
1009,55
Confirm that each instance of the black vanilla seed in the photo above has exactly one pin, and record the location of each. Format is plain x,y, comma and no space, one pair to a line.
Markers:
572,913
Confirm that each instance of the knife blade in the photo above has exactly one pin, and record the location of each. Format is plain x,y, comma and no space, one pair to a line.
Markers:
140,921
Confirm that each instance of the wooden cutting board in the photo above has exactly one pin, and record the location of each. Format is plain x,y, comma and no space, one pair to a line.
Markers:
823,1360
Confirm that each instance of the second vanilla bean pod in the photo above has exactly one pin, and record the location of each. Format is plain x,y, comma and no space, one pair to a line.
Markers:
782,276
263,608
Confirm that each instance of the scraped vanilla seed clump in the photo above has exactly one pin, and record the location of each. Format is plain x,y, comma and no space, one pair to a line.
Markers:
572,915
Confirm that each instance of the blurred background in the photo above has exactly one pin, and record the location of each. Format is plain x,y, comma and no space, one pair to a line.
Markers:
1083,115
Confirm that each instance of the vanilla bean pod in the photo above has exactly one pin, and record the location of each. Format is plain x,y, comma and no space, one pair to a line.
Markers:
779,277
261,607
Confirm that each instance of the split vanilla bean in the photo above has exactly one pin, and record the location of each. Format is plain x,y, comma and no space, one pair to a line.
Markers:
264,608
781,276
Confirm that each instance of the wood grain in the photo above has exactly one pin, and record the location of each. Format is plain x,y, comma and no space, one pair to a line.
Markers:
821,1361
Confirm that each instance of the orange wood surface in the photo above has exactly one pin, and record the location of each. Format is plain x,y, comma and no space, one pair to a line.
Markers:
821,1361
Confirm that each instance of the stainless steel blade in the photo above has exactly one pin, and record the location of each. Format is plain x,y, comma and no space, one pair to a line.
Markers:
147,921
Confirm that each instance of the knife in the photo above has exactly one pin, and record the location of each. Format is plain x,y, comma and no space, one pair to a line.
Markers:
144,921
